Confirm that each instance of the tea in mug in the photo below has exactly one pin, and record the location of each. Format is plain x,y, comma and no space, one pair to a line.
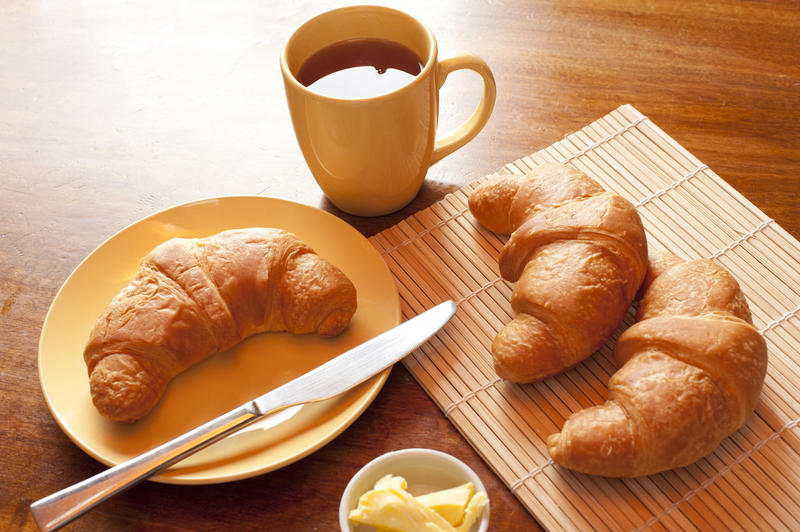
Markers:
360,68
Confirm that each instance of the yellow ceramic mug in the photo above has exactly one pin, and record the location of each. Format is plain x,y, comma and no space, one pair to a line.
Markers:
370,155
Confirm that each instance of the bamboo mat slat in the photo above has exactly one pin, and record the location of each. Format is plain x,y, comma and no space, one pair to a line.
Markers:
751,482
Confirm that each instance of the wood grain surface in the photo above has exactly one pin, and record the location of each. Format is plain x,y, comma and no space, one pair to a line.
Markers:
110,111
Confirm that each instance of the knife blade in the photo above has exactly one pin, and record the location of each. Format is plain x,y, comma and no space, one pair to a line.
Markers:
327,380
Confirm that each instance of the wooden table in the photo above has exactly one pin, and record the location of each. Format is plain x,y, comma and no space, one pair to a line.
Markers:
110,111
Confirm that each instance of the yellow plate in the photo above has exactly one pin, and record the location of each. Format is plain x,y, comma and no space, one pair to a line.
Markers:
225,380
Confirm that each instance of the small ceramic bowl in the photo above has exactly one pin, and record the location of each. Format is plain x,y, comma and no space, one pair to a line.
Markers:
425,470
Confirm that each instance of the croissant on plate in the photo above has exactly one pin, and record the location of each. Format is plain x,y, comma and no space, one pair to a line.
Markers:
191,298
579,254
690,373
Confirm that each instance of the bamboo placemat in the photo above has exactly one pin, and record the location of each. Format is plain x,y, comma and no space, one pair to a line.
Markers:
751,482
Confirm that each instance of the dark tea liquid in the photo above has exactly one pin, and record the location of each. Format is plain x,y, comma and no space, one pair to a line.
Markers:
359,68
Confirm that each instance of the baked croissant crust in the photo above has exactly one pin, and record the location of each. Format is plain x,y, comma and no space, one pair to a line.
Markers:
579,254
690,373
191,298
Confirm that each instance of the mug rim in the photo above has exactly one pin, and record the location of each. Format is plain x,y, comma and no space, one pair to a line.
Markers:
430,61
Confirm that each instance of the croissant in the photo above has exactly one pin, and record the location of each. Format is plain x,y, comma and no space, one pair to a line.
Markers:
690,373
579,254
191,298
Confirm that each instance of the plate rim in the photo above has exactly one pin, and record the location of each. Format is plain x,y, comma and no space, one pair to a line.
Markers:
375,384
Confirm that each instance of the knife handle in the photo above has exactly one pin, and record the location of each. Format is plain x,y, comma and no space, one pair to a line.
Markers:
56,510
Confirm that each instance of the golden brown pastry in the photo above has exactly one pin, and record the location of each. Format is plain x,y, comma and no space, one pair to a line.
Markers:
690,374
579,255
191,298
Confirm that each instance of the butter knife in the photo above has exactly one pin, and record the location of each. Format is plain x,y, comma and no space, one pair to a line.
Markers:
328,380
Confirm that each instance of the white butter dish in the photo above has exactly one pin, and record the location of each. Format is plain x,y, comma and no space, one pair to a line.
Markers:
425,470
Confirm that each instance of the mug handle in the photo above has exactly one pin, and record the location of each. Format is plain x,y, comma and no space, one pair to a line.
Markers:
466,131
